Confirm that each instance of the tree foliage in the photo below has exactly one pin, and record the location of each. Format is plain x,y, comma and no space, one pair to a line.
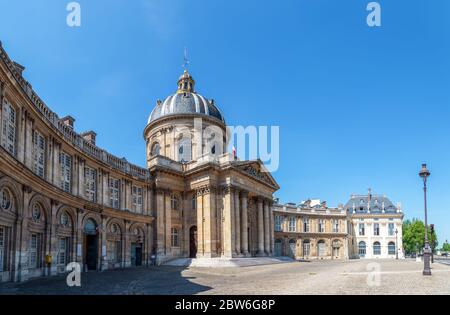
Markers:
414,236
446,247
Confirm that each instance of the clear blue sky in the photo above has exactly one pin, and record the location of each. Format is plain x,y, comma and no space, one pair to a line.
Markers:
357,107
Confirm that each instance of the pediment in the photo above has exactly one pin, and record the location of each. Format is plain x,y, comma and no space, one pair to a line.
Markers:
256,170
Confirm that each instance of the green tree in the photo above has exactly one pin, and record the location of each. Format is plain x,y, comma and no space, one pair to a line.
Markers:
414,236
446,247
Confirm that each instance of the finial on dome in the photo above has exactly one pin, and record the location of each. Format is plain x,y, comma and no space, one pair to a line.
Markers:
186,83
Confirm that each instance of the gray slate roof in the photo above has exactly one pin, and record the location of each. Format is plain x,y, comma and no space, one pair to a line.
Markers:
185,103
360,203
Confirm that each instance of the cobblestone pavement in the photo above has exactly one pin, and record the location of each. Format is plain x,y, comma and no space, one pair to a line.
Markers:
322,277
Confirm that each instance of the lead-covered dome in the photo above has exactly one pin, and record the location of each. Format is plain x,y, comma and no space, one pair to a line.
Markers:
185,101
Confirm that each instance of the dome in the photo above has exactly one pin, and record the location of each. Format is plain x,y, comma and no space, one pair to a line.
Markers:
185,101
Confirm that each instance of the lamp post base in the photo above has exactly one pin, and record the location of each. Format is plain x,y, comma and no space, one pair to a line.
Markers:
426,260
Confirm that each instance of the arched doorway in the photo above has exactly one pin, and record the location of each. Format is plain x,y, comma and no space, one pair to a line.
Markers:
91,244
321,249
306,249
137,240
193,242
278,247
292,248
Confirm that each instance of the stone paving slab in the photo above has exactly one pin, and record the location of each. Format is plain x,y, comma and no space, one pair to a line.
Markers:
228,263
317,277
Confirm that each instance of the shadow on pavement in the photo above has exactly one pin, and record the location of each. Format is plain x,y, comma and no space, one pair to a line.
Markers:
161,280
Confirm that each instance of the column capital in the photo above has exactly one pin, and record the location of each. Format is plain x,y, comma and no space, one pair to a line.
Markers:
161,190
229,189
244,193
205,190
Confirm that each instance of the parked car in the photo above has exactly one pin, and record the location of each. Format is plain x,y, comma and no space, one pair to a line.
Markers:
444,254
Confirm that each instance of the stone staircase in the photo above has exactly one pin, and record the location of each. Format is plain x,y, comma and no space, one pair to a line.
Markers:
227,262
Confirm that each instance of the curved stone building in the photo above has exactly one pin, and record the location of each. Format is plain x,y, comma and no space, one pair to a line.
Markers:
63,199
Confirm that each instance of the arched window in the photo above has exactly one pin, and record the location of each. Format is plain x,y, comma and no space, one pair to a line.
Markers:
36,212
362,249
391,248
64,220
115,229
155,149
184,150
174,237
174,202
90,227
5,199
377,248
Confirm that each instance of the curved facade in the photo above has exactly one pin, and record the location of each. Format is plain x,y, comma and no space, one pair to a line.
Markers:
62,198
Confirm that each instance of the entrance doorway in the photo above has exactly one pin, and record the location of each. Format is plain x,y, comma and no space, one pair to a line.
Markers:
91,252
91,244
278,248
136,254
193,242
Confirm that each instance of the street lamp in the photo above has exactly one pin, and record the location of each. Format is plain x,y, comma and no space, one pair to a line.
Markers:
424,173
396,243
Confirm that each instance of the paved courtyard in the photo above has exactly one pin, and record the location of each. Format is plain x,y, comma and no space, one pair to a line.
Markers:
322,277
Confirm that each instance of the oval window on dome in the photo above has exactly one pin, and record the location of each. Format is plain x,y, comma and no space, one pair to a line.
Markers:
5,199
36,213
64,220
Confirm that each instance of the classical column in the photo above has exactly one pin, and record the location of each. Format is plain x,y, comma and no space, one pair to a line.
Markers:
244,224
237,218
79,238
28,149
103,258
149,245
267,227
200,223
56,171
260,227
79,178
160,227
127,245
228,224
168,223
53,246
208,230
272,230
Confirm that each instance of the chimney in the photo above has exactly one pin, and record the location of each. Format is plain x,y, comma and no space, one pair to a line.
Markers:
68,121
89,136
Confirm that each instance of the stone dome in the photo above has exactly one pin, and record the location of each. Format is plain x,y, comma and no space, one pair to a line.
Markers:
185,101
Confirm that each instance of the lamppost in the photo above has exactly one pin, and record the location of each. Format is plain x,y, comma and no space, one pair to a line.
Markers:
396,243
424,173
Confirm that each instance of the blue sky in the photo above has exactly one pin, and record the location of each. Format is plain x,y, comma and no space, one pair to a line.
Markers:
357,107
